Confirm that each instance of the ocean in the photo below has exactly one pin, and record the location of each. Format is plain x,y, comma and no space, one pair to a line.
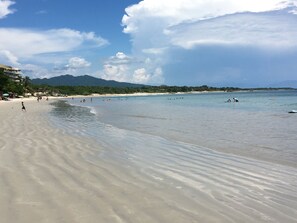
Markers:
240,158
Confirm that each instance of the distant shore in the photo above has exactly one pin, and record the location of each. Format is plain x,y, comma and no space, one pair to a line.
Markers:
130,95
32,98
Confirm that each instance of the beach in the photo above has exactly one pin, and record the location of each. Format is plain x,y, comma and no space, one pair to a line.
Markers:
49,175
45,177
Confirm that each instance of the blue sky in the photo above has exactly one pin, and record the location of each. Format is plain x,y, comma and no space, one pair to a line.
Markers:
244,43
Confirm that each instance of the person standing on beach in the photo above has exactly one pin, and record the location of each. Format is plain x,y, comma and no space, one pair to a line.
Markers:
23,107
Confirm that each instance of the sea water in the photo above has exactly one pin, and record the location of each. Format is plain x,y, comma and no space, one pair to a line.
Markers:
257,126
241,154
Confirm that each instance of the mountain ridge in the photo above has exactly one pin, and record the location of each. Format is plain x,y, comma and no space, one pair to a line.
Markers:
84,80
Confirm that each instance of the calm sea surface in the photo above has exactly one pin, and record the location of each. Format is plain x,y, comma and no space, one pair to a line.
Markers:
239,158
257,126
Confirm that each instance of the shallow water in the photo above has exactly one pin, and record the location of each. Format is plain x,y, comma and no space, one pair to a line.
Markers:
258,126
235,161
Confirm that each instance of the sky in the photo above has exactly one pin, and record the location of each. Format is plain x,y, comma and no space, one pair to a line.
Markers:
238,43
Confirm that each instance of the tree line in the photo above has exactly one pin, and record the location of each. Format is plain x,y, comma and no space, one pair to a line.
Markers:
87,90
24,86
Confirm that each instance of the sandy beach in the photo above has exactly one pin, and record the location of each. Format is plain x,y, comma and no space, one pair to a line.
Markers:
47,175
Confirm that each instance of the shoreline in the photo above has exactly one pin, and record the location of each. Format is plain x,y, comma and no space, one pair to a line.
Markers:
140,94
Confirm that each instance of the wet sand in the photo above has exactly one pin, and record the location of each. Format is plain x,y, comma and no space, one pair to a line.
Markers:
49,176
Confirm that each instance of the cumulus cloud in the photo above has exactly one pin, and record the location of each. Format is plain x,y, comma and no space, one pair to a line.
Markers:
119,58
150,21
158,29
141,76
124,68
116,72
116,68
5,8
77,63
174,12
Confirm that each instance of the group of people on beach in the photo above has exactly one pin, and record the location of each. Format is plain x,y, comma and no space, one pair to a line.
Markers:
40,98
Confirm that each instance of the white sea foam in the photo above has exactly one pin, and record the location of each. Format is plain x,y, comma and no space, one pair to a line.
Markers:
92,110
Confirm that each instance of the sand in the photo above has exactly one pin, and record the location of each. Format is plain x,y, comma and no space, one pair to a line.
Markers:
49,176
45,176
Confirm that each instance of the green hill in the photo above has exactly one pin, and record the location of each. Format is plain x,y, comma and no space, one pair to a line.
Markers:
86,80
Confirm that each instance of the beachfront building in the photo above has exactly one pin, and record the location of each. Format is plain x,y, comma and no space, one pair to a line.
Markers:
13,73
16,87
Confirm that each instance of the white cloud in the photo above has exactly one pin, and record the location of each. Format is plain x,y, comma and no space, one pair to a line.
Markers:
8,58
19,47
77,63
117,68
150,21
4,8
35,71
74,67
166,31
119,58
279,31
175,12
27,43
124,68
141,76
116,72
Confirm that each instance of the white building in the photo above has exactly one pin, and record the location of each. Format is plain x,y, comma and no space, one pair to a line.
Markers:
11,72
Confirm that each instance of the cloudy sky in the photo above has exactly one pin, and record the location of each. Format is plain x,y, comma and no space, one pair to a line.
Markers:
245,43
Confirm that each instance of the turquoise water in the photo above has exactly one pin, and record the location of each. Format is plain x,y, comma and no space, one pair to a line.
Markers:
257,126
239,158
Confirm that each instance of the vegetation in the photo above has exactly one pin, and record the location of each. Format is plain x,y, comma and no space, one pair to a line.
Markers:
85,85
7,85
87,90
25,86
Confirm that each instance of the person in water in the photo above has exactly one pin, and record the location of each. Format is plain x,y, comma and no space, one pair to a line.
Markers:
235,100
